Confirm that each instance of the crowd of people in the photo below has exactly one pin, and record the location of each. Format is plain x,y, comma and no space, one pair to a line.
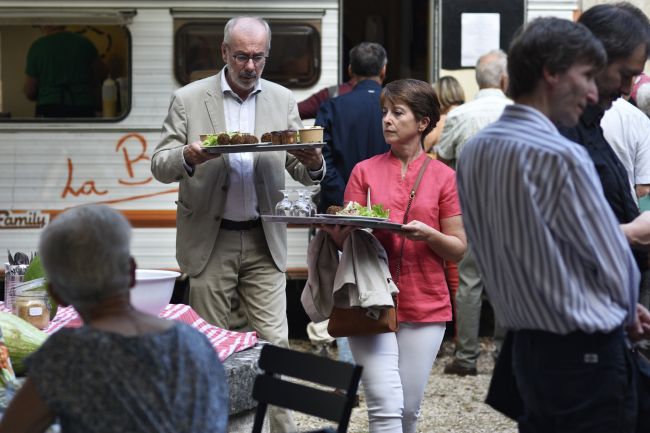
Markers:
531,187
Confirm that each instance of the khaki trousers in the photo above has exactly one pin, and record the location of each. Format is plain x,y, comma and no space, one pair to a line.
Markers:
241,263
469,299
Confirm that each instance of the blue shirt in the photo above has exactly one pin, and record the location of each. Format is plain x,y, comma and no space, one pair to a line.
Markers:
550,249
353,133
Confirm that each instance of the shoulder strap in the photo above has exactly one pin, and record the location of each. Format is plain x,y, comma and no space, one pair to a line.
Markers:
406,215
415,187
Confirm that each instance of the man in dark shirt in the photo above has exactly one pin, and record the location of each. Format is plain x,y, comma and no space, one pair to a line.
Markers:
308,108
353,122
624,31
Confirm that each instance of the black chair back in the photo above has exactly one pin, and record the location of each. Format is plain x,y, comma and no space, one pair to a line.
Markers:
270,388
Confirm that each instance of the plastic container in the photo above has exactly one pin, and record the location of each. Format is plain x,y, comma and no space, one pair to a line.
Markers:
311,135
14,276
109,98
33,307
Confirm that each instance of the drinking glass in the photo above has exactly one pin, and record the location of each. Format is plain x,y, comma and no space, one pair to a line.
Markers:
301,207
283,208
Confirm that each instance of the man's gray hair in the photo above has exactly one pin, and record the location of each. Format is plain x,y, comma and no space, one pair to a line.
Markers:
490,68
643,98
86,254
227,30
367,59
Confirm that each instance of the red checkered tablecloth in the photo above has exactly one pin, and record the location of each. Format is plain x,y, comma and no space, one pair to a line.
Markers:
225,342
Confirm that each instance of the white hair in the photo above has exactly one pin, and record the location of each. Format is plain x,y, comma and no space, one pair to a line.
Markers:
227,30
490,68
86,254
643,98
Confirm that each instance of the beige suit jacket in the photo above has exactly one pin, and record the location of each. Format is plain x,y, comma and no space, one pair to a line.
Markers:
198,109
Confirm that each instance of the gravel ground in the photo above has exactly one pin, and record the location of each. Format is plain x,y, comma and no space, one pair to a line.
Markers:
450,404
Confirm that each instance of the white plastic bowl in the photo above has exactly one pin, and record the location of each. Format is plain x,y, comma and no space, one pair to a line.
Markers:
153,290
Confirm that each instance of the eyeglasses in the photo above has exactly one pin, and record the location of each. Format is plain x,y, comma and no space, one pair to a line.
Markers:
243,59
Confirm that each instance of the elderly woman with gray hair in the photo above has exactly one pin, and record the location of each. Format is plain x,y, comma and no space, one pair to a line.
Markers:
123,371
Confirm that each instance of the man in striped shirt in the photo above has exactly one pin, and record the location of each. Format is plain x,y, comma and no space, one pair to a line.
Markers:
556,265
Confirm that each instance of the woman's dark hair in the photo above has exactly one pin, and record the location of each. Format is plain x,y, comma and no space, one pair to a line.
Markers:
620,27
553,44
418,96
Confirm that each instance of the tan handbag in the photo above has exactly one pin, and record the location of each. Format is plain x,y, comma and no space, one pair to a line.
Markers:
356,321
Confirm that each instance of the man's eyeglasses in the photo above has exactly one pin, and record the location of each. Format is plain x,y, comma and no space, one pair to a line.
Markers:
242,59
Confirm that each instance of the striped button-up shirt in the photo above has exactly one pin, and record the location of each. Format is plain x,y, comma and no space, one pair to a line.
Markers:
551,252
241,198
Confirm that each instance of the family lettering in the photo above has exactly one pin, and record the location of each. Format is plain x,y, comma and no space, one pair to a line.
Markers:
23,220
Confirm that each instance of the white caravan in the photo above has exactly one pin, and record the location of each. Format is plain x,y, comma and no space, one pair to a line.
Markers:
150,48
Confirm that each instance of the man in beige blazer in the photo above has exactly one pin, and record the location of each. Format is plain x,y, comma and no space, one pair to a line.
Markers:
221,243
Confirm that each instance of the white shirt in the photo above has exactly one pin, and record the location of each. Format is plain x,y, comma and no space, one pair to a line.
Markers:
550,250
627,130
464,121
241,198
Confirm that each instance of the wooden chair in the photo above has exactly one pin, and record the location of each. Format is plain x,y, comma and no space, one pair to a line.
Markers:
270,388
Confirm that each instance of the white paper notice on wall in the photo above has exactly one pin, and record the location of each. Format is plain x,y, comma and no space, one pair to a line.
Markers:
479,34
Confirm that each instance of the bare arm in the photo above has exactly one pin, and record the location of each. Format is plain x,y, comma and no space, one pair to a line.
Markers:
27,412
637,232
642,190
30,88
450,243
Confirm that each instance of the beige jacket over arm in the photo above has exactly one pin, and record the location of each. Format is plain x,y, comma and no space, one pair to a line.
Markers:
198,109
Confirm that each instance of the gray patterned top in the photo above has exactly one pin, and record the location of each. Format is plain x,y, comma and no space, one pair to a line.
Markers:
97,381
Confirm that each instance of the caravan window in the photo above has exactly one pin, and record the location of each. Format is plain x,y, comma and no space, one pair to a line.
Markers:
294,61
55,71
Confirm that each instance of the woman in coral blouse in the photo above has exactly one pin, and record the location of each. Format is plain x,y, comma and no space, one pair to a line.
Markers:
397,365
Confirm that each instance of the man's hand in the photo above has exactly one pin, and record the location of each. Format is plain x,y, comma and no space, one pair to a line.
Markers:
195,155
310,158
640,330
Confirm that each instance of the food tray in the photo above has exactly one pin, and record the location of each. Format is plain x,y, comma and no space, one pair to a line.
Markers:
260,147
350,221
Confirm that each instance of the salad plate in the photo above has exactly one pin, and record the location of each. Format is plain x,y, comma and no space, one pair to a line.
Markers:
352,217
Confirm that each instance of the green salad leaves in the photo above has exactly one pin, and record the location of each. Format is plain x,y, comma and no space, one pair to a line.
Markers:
375,211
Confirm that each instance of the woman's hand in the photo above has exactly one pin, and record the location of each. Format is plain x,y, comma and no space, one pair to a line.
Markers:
418,231
338,233
449,243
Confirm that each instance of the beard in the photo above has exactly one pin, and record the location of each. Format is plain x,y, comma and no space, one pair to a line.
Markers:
245,79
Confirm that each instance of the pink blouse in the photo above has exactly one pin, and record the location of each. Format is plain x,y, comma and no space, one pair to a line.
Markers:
424,296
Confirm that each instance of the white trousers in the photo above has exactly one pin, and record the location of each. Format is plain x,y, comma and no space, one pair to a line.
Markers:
396,369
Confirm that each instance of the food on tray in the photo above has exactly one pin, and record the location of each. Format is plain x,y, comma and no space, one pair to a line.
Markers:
276,137
226,138
267,137
355,209
334,209
289,136
236,138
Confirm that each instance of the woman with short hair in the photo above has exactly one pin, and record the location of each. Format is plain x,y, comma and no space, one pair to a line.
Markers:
123,370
